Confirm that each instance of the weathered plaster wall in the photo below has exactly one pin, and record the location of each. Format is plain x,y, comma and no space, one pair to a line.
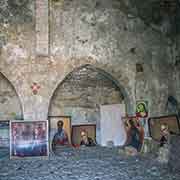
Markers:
10,105
98,33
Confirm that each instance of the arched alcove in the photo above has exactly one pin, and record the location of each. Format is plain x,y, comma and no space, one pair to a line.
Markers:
10,105
82,92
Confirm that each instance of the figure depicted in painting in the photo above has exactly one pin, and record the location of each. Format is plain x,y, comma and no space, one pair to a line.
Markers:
15,137
60,138
164,135
134,134
39,132
85,140
27,133
141,109
23,136
163,153
40,146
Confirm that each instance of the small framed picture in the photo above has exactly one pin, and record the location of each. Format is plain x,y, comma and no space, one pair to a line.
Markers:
29,139
89,129
156,123
65,131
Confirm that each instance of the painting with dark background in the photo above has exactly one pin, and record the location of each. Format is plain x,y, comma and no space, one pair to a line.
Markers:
155,125
90,129
28,139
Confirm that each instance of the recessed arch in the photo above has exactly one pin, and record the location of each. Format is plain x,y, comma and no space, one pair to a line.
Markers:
10,103
108,75
81,93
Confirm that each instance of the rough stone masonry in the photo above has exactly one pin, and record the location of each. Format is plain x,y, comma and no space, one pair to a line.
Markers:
82,54
107,35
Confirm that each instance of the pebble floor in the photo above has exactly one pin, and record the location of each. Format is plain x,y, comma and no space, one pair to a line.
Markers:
95,163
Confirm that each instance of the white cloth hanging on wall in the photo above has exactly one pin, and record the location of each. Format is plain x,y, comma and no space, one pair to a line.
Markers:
111,124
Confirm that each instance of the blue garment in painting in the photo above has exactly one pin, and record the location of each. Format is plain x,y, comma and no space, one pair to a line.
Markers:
60,137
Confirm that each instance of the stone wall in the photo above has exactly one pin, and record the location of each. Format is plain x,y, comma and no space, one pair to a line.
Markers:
81,94
99,33
16,11
102,31
10,106
174,85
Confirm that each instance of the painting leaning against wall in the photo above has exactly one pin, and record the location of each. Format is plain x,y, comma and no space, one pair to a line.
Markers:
89,129
54,131
29,139
4,134
156,123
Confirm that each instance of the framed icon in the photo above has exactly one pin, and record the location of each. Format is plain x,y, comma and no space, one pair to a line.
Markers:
53,120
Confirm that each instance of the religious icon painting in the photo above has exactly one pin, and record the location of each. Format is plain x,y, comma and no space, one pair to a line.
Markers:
142,109
63,134
29,139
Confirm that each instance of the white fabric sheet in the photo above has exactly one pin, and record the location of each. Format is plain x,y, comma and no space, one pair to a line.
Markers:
111,124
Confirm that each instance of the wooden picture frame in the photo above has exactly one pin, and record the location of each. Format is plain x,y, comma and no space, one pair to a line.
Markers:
154,124
90,129
53,127
29,139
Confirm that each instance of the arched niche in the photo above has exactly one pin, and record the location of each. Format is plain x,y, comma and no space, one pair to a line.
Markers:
82,92
10,105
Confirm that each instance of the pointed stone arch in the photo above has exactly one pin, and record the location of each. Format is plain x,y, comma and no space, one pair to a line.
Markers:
125,90
10,104
82,108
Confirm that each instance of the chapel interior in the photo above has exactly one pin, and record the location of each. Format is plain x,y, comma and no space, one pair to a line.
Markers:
89,89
